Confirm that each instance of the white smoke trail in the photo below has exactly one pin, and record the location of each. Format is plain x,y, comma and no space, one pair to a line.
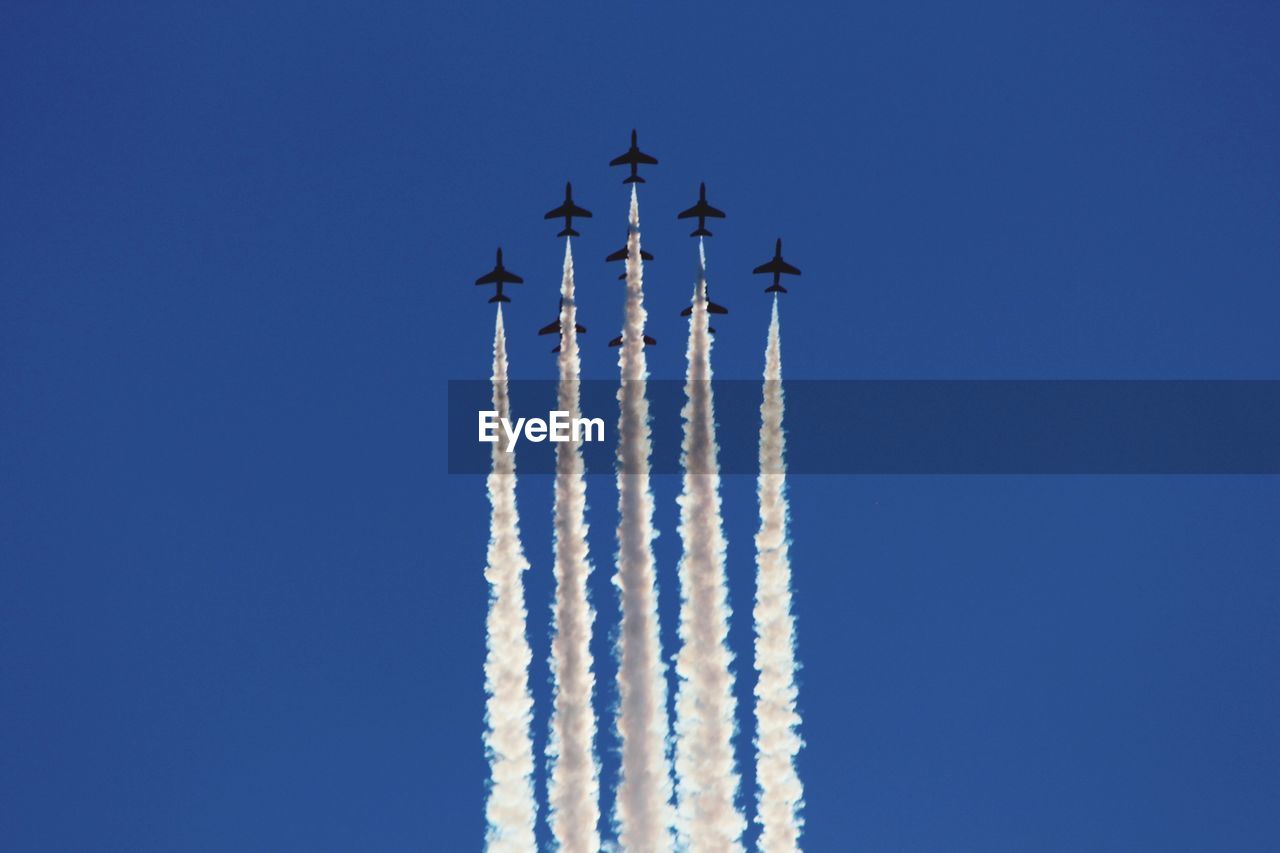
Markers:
780,795
706,777
643,810
510,810
574,786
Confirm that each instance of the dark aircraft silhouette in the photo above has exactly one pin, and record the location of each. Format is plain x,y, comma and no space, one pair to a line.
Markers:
633,158
500,276
702,210
778,267
621,255
712,308
617,342
568,210
556,326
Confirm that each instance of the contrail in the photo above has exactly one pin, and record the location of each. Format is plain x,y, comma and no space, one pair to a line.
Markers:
706,777
643,810
574,786
510,810
780,795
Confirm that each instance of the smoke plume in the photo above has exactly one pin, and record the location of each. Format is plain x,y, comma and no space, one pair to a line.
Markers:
510,810
706,776
780,795
574,786
643,809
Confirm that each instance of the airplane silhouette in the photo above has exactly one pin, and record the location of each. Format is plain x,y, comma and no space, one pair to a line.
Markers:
617,342
633,158
500,276
702,211
568,210
556,326
621,255
778,267
712,308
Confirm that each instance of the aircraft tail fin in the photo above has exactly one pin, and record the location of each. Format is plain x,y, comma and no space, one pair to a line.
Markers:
776,288
569,232
701,231
501,297
634,179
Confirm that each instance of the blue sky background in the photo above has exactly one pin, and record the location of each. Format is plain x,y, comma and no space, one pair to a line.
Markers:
241,603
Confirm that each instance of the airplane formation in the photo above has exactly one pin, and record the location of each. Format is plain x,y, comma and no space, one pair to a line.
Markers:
569,210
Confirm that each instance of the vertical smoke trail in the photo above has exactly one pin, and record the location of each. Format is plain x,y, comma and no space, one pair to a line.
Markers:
574,786
706,778
510,810
777,741
643,811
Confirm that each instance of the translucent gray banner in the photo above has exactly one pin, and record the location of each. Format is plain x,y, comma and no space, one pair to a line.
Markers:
914,427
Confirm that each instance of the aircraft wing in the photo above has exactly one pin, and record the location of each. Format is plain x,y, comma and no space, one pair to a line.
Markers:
621,255
550,328
777,265
580,212
617,342
712,308
701,209
500,276
561,211
634,156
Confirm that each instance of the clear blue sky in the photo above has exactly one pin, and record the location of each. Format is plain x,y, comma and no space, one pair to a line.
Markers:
241,603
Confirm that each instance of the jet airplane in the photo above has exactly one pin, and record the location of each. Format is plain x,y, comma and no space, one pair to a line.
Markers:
633,158
500,276
557,325
621,255
568,210
617,342
702,211
778,267
712,308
